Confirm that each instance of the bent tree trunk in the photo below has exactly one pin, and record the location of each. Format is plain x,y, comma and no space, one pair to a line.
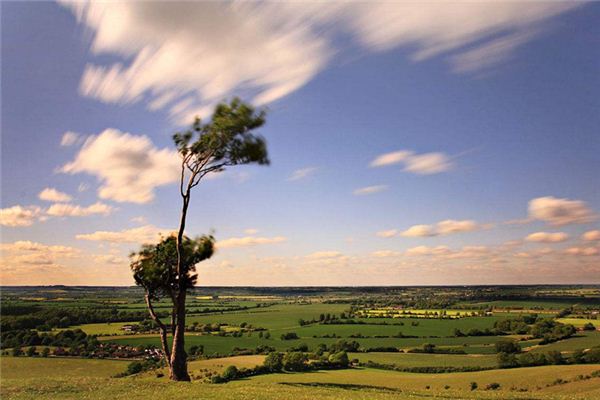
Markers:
163,332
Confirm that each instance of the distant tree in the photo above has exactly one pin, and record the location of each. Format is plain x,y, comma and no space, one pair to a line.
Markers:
45,352
589,327
230,373
507,346
474,385
294,361
17,351
274,361
339,359
205,148
31,351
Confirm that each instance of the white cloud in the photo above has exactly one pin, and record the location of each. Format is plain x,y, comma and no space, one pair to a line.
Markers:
248,241
370,190
446,227
72,210
110,259
387,234
394,157
142,234
428,164
250,231
302,173
419,231
547,237
19,215
27,246
129,167
427,251
560,212
421,164
184,56
582,251
70,138
51,194
385,253
590,236
322,255
450,226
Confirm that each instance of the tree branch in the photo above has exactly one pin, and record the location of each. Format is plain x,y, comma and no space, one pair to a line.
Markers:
163,330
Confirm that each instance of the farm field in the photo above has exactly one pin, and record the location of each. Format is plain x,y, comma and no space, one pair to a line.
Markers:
308,322
29,381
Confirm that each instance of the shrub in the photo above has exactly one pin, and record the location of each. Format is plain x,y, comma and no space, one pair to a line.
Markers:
294,361
274,362
17,351
507,346
31,351
589,327
289,336
339,359
45,352
473,385
493,386
230,373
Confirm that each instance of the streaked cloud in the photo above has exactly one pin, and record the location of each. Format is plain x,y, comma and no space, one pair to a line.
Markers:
590,236
321,255
51,194
73,210
70,138
163,64
558,212
140,235
128,166
249,241
582,251
385,253
392,158
251,231
302,173
419,231
370,190
547,237
387,234
427,251
420,164
442,228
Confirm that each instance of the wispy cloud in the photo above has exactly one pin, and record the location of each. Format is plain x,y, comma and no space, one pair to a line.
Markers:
421,164
164,64
370,190
249,241
302,173
142,234
547,237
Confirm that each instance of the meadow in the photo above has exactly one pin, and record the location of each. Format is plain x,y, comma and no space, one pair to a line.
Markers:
243,320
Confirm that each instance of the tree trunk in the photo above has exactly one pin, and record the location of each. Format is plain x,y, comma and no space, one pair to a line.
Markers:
163,332
179,370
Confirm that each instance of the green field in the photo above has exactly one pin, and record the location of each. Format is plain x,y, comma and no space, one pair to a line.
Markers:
583,340
30,379
428,360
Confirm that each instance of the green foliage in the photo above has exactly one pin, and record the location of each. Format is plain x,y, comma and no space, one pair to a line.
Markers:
154,267
31,351
295,361
339,359
274,361
507,346
230,373
473,385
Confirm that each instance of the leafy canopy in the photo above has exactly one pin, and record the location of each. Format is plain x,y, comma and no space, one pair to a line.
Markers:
224,141
154,267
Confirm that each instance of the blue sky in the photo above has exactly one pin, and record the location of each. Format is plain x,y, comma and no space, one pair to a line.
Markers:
409,144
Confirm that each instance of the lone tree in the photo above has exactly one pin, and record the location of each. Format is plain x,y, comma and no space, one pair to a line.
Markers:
168,268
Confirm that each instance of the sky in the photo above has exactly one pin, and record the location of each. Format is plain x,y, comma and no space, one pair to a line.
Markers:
410,143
